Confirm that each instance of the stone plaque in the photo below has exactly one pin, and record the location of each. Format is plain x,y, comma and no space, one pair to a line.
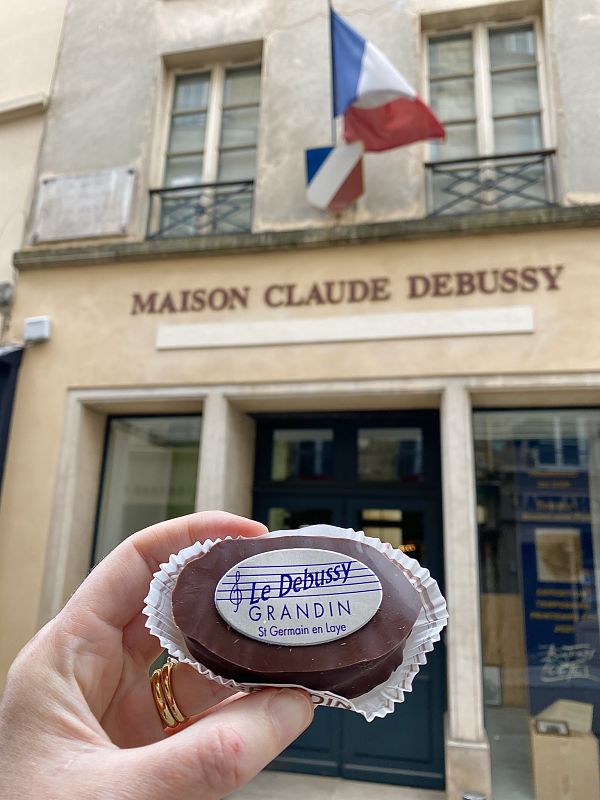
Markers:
84,206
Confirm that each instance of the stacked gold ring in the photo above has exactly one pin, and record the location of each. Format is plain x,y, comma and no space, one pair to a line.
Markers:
164,699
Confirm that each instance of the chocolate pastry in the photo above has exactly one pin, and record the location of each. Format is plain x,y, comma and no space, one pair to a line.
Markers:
350,665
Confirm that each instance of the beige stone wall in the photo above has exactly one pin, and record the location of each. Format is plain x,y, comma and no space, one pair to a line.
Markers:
19,144
97,340
112,98
97,344
30,36
29,40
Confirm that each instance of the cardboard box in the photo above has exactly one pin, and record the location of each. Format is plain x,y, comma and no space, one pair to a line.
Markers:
578,716
566,767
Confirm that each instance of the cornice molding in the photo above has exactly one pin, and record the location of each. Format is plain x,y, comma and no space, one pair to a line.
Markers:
27,106
498,222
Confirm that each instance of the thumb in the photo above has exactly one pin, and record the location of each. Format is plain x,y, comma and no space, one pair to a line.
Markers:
227,748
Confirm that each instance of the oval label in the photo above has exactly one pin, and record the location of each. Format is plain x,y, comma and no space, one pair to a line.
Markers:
299,596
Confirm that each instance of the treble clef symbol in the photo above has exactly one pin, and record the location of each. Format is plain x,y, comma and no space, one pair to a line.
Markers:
235,596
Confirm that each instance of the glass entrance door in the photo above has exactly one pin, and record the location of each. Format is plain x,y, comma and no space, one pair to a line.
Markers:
407,746
319,750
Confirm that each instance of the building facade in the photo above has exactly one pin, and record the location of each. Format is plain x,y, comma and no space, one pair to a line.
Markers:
29,40
423,367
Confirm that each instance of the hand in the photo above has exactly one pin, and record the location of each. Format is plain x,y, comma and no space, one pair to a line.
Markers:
77,718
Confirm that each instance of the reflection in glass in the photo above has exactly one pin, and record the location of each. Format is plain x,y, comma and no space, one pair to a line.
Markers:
187,133
387,514
183,170
283,519
402,529
538,492
239,126
391,535
515,92
453,99
450,55
452,96
518,134
149,475
242,86
302,454
237,165
191,92
511,47
390,454
461,142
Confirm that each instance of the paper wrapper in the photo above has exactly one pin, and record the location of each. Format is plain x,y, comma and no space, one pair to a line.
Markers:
378,702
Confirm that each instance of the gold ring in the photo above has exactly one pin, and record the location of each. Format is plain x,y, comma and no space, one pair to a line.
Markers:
164,699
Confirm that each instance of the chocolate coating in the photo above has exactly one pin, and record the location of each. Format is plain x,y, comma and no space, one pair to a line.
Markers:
349,666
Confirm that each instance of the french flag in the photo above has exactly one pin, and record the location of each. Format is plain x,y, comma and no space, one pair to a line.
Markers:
380,108
334,176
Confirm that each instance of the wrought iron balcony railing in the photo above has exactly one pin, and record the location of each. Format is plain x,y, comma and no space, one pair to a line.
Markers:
490,183
200,210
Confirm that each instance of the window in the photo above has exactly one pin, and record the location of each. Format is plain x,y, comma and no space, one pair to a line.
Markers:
149,474
379,451
538,492
210,160
484,86
389,454
303,454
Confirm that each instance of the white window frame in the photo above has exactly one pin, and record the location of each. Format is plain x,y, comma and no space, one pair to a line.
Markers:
482,78
214,115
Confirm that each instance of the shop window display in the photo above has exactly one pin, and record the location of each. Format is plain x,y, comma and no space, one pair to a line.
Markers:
149,474
538,512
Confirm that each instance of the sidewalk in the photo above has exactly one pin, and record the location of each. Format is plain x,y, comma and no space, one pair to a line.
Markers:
278,785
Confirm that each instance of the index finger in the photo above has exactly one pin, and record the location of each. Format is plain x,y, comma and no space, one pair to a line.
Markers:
115,589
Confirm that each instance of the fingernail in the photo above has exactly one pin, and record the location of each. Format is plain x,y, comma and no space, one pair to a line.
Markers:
292,712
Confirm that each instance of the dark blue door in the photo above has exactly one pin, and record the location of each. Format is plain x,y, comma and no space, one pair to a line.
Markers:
406,747
10,359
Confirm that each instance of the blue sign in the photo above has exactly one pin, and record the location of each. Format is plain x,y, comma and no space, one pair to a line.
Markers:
559,591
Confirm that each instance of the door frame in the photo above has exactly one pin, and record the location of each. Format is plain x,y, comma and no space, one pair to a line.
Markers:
344,495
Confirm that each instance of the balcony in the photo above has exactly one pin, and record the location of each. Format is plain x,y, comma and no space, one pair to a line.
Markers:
491,183
200,210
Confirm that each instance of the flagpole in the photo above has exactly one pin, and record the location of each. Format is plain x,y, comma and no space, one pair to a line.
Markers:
333,125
